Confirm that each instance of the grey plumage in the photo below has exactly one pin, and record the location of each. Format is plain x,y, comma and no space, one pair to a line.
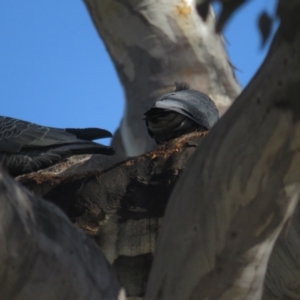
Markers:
26,147
180,112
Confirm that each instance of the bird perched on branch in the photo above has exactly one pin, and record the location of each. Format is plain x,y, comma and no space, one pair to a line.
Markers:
26,147
180,112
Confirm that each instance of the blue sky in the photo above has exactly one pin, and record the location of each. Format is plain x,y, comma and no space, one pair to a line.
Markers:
55,71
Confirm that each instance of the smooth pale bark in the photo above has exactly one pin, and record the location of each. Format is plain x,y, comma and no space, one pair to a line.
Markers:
283,274
153,44
43,256
237,192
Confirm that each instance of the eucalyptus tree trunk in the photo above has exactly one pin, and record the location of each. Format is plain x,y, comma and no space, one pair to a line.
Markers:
237,193
153,44
229,231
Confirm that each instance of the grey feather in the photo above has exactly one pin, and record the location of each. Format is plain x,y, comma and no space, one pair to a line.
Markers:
27,147
196,110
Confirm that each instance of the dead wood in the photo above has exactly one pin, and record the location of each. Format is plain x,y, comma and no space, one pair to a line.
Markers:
120,203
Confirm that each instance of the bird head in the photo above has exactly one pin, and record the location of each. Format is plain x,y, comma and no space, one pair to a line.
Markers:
183,111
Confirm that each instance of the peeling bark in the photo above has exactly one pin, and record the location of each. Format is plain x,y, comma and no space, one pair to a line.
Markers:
120,203
153,44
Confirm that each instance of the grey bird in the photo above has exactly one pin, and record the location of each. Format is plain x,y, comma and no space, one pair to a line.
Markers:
180,112
26,147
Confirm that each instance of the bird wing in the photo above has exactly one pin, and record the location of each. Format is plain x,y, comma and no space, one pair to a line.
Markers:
89,133
17,134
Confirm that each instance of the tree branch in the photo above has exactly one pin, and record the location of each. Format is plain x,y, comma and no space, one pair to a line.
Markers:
153,44
120,204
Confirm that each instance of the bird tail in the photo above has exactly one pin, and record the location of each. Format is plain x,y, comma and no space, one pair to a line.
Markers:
89,133
84,148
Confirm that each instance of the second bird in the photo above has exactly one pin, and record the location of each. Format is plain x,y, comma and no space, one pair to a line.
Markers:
26,147
180,112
